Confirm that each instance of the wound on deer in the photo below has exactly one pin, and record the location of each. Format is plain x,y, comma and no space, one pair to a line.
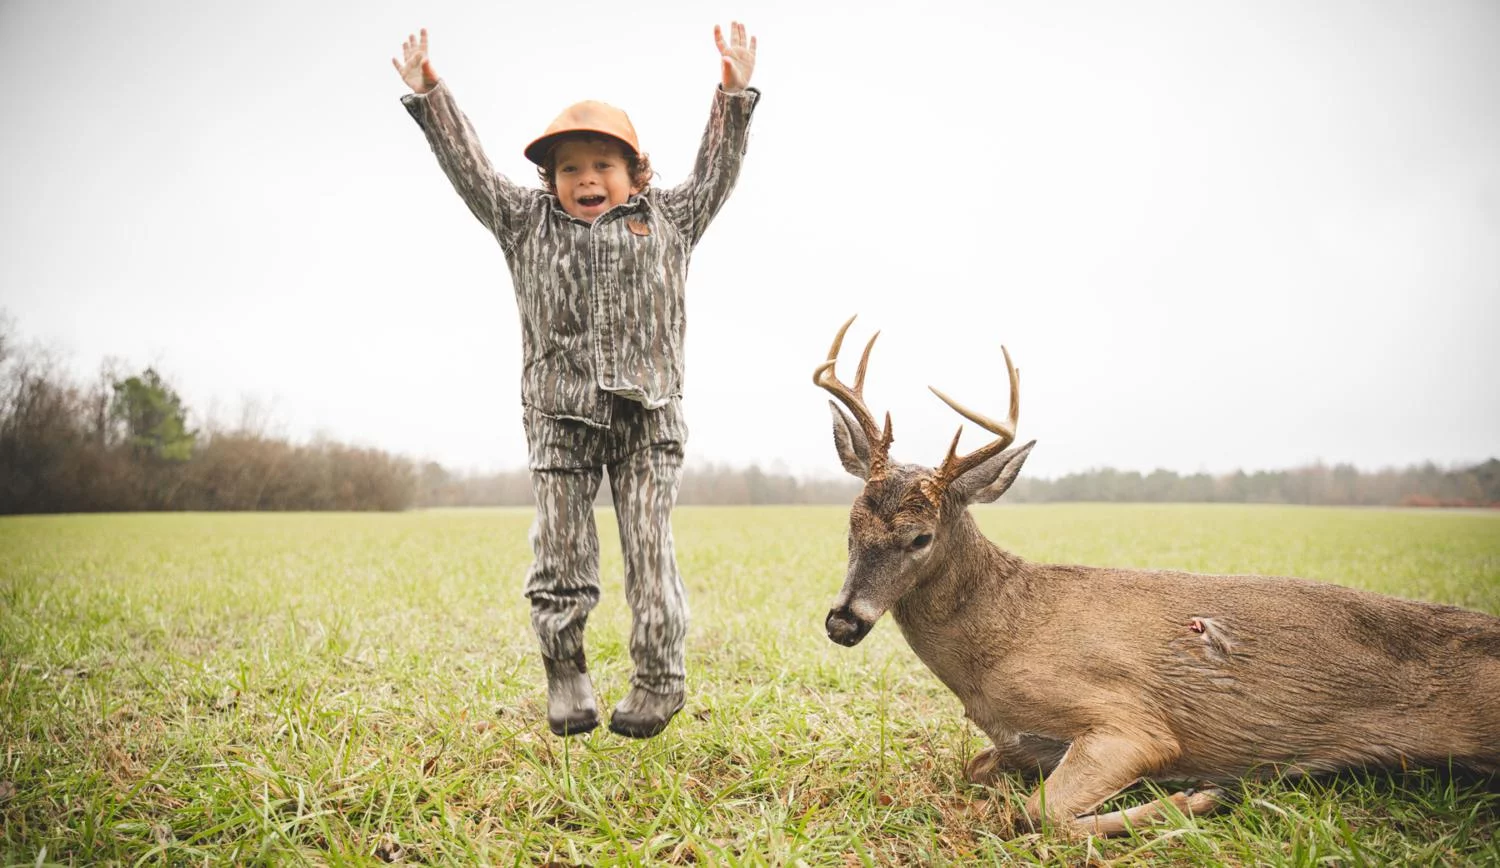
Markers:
1217,641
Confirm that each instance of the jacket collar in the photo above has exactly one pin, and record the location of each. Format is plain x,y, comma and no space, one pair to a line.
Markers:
634,205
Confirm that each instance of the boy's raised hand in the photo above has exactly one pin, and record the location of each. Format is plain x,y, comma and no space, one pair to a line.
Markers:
738,56
416,70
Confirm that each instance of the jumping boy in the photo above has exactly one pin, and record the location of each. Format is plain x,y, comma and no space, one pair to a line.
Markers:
599,259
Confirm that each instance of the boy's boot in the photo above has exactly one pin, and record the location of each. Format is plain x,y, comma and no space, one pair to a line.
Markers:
570,696
644,713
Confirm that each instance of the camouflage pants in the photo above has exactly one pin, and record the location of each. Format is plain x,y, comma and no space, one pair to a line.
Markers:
643,452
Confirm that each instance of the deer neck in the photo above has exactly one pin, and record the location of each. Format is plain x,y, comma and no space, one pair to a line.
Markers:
958,610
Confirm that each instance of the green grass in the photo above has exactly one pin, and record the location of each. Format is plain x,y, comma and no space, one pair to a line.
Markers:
335,689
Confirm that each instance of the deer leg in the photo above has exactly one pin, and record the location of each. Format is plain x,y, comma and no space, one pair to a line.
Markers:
1194,803
1026,754
1096,766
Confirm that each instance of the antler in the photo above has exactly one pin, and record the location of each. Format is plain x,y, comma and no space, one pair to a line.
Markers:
954,466
880,441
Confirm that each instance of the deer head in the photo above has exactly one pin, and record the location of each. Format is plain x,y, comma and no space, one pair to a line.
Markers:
910,521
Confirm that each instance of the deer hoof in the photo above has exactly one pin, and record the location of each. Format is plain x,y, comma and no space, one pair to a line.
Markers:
984,769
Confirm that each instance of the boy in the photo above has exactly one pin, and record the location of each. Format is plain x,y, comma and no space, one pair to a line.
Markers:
598,259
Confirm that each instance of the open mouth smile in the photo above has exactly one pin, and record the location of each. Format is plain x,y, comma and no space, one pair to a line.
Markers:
590,201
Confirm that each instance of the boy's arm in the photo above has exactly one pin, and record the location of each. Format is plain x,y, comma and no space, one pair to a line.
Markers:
692,204
499,203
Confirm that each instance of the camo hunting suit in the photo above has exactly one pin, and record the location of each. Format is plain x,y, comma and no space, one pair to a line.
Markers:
602,328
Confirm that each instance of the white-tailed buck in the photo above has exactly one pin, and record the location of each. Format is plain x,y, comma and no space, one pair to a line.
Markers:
1098,678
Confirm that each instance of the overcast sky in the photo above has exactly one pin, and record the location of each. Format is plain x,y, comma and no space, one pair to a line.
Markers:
1212,234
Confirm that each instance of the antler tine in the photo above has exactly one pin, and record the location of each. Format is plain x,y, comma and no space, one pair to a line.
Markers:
954,466
825,377
864,363
838,340
952,447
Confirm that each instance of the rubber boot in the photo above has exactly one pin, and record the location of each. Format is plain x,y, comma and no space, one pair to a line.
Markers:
570,696
643,714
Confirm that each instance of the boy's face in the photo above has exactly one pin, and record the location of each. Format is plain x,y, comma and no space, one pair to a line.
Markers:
592,176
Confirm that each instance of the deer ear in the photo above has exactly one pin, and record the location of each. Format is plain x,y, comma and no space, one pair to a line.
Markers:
989,480
849,440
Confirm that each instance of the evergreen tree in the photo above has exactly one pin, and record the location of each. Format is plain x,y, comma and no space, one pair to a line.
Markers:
155,420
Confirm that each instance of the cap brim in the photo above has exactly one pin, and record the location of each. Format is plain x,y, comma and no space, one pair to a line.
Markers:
536,152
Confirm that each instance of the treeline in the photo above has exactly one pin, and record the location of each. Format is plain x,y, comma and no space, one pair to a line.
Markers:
702,485
1338,485
124,442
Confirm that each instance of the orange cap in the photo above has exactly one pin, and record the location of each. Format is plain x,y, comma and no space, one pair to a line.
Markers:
589,116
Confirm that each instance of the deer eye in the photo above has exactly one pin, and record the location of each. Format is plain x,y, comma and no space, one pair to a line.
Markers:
920,541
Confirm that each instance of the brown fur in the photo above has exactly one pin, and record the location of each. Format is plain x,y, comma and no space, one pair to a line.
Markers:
1101,677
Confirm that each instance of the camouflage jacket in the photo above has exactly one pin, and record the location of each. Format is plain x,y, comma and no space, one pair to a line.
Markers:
602,307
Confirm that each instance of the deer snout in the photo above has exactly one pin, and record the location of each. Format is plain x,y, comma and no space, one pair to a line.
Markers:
846,628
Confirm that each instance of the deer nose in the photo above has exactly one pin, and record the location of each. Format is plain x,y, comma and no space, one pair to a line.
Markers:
844,627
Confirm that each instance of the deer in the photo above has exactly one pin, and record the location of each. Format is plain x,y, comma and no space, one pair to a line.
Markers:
1098,678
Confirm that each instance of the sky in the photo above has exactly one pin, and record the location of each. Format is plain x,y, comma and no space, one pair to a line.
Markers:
1213,235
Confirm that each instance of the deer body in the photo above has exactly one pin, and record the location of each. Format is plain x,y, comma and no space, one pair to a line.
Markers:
1286,675
1100,677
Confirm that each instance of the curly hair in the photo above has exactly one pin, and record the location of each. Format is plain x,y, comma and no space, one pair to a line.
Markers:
638,165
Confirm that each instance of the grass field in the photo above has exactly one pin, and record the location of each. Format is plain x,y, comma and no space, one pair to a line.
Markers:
261,688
